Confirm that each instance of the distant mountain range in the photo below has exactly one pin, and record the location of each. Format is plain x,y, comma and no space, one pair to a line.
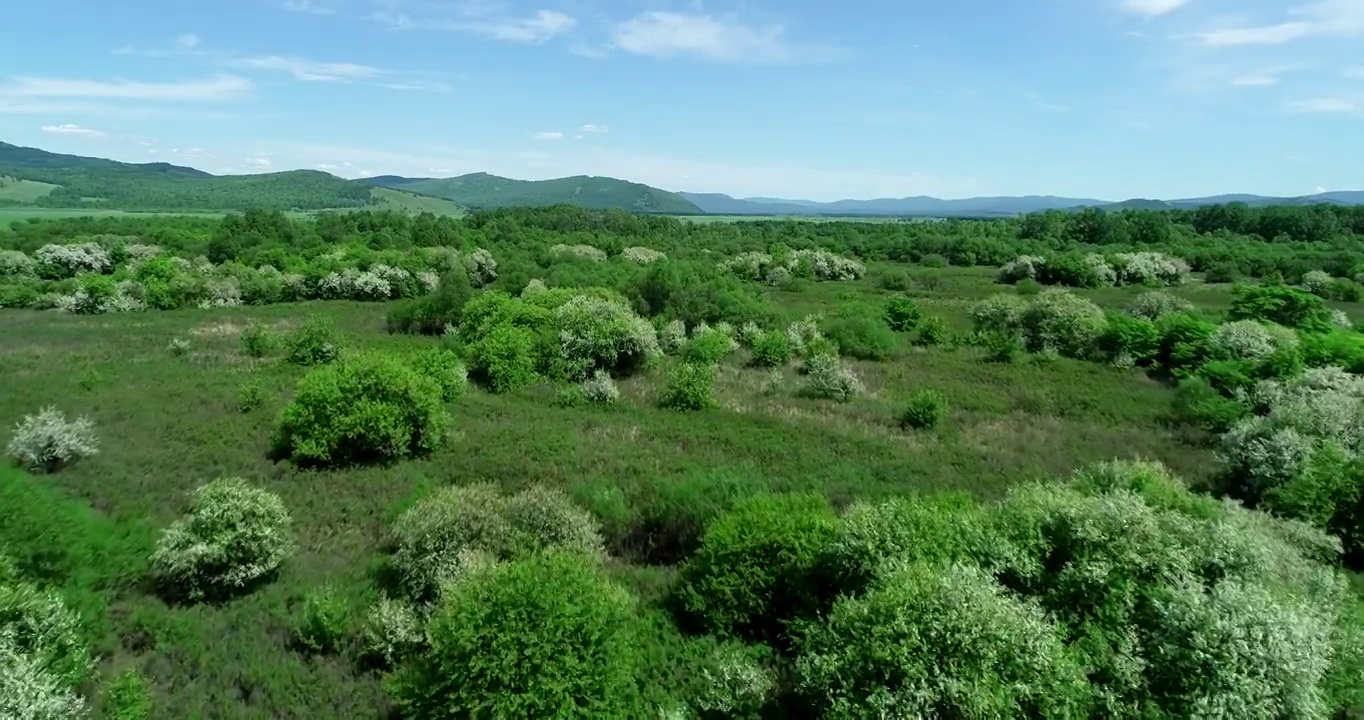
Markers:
30,176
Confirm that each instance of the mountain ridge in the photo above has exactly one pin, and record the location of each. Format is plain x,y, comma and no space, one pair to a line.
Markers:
80,181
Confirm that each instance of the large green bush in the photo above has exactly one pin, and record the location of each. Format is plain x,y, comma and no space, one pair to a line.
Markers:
432,314
459,528
937,528
314,342
371,406
234,536
757,565
546,636
931,641
1064,322
688,386
860,334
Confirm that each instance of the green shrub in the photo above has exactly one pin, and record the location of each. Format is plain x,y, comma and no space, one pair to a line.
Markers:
1129,338
432,314
315,342
1064,322
902,313
861,335
937,528
127,697
771,349
258,341
250,395
1183,342
827,378
460,528
547,636
1198,403
939,642
444,367
370,407
923,410
932,331
1280,304
708,347
233,537
897,280
505,359
322,622
688,386
756,567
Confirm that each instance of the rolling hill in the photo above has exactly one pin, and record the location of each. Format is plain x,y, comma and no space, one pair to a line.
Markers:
481,190
388,198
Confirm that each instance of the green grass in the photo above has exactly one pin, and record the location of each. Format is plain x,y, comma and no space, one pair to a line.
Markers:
398,200
170,423
24,191
801,218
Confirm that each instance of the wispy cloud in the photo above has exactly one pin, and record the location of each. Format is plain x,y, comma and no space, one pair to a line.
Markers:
590,128
671,34
74,130
307,6
215,88
1264,77
187,41
1043,103
1326,105
589,51
1328,18
1150,8
418,86
258,162
548,135
309,70
482,19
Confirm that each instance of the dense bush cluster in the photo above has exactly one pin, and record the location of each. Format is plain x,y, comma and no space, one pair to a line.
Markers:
780,268
1095,270
47,441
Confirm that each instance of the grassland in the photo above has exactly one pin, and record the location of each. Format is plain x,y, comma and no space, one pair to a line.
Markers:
1009,423
23,191
396,200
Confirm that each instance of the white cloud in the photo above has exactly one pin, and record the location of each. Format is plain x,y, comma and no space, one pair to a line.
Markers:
307,6
1328,18
481,20
309,70
1326,105
590,128
589,51
419,86
76,130
1319,189
187,41
258,162
1150,8
1265,77
218,87
554,135
672,34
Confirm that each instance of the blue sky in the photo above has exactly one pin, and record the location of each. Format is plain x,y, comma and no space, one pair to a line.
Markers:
798,98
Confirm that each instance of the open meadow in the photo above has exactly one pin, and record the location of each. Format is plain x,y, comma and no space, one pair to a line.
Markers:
552,463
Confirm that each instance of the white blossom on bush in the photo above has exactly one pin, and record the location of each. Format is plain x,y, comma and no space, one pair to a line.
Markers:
47,440
536,285
225,292
1062,321
1242,340
140,251
804,333
999,313
734,681
393,631
1023,267
587,252
1154,303
595,333
642,255
672,336
233,536
600,389
778,276
482,267
15,263
1103,272
824,265
1341,320
1150,268
430,281
1317,282
828,378
72,260
748,265
29,692
1262,454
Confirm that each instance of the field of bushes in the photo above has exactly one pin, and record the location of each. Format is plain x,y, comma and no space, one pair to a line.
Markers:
563,463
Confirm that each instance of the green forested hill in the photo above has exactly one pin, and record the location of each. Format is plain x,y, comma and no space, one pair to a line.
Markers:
481,190
95,182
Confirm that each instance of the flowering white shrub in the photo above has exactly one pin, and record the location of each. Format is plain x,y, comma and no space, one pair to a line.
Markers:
1262,454
999,313
536,285
393,631
482,267
672,336
748,333
1154,303
1317,282
778,276
1149,268
430,281
722,330
15,263
28,692
138,251
804,334
734,682
642,255
71,260
600,389
1242,340
459,528
595,333
234,536
48,441
748,265
1341,320
178,346
354,285
1062,321
442,259
225,292
1103,272
43,659
828,378
587,252
823,265
1023,267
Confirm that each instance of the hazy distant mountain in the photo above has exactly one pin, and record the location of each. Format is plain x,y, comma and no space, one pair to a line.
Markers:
481,190
920,205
